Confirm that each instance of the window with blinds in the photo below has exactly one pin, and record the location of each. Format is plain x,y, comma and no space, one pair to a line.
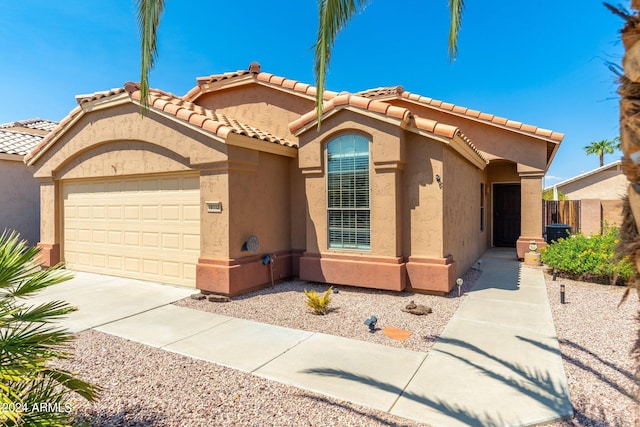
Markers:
348,193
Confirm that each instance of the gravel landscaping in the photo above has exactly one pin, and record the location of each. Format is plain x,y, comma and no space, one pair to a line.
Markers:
145,386
595,338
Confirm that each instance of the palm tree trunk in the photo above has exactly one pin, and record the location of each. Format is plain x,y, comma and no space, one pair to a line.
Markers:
629,91
601,159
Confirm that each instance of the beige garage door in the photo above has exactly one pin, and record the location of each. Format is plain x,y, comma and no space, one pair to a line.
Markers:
144,228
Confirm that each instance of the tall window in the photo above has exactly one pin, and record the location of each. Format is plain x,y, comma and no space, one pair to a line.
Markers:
348,192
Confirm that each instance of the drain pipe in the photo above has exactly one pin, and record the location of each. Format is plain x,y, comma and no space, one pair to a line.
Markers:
269,259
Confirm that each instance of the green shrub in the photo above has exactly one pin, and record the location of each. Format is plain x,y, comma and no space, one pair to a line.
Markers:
588,258
33,393
319,304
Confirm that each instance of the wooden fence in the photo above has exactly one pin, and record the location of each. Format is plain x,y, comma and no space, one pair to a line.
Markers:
561,212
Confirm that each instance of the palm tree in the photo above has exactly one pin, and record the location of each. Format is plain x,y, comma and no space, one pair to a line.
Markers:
29,342
333,17
629,142
599,148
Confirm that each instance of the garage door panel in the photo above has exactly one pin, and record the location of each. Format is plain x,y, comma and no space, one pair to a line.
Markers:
146,228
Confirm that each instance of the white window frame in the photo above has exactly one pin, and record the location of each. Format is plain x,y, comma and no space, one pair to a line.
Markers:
358,236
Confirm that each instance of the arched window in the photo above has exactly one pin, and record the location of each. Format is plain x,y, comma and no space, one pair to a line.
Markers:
348,193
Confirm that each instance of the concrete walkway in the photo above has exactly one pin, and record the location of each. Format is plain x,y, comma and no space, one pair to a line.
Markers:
496,364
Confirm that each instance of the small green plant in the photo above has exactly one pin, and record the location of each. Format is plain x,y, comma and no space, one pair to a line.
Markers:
588,258
319,304
548,195
33,393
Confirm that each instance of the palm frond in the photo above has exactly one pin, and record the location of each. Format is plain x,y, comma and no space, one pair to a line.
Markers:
149,12
29,340
89,391
333,15
42,313
456,9
36,280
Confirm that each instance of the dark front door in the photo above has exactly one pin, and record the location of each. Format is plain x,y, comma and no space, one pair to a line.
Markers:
506,214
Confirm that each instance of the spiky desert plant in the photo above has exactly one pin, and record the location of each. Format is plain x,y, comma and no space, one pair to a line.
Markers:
32,393
319,304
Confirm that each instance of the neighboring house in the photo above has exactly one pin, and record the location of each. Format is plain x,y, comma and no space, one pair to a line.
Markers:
19,191
600,192
605,183
393,191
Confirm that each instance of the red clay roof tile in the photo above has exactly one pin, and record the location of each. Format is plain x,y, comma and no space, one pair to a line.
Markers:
209,120
397,112
378,107
399,92
203,83
425,124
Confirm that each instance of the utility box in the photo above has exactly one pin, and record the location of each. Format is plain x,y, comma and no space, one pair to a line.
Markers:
557,231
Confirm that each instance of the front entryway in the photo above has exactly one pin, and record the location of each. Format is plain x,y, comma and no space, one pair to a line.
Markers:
506,214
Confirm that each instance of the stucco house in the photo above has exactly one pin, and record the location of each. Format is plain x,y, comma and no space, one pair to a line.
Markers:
600,192
19,191
605,183
234,185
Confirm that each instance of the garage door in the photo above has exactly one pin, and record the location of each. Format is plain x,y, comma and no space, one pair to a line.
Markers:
144,228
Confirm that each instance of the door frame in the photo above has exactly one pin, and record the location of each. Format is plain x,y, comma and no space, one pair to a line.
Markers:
493,217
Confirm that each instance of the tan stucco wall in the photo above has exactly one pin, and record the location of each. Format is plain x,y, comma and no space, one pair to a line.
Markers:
461,188
612,212
606,185
422,199
260,205
531,201
590,217
265,108
137,145
386,151
298,206
19,199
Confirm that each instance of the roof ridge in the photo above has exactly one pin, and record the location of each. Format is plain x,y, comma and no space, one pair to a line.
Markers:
257,75
382,91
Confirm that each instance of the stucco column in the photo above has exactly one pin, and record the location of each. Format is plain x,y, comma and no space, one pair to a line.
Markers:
386,228
50,222
531,211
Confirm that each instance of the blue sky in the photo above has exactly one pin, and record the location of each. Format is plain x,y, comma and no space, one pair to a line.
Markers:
542,62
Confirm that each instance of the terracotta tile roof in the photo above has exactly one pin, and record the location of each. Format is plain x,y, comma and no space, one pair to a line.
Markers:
380,107
36,123
208,120
208,83
15,142
399,92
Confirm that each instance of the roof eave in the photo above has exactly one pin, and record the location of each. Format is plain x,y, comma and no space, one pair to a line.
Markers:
335,110
243,141
556,140
12,157
458,144
31,158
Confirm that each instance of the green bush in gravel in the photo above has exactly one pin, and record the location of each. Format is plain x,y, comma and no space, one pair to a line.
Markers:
589,258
